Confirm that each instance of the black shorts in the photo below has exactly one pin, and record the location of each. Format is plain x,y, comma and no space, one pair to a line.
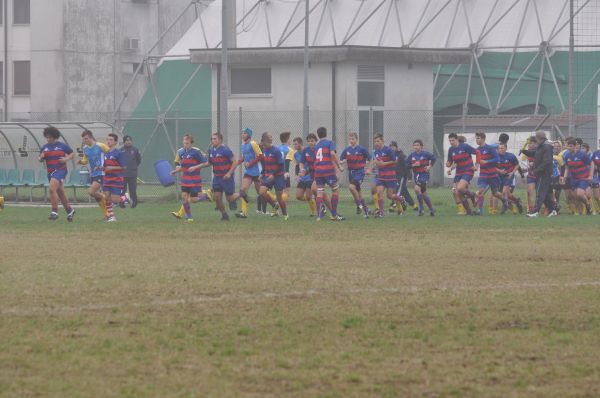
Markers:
192,191
97,179
304,184
356,184
422,185
287,182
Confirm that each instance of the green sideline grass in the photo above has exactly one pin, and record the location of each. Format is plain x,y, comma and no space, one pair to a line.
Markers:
401,306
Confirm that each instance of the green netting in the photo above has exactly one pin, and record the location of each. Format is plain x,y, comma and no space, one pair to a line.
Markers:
184,109
524,93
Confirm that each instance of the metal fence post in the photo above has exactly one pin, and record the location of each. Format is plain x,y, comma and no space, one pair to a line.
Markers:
371,129
177,192
240,127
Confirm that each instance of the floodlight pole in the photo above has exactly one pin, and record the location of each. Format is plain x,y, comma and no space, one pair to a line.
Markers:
224,91
571,109
305,117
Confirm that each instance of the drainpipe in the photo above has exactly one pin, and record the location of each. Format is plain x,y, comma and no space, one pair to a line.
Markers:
5,86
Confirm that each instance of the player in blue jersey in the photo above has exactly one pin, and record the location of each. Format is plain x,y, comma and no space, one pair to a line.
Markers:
421,162
251,158
460,157
287,151
189,161
585,147
223,163
93,156
56,154
273,173
488,173
578,168
356,157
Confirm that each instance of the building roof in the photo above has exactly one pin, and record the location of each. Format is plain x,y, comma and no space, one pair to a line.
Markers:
287,55
435,24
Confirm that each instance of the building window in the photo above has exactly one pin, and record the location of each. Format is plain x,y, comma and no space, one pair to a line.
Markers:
1,79
22,77
21,12
1,12
251,81
371,93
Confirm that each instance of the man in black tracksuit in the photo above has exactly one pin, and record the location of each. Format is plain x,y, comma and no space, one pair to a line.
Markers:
542,167
403,173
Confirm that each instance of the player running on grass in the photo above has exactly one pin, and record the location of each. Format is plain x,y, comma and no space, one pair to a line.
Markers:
421,162
223,162
596,180
356,158
56,154
507,166
326,163
113,183
251,157
460,155
578,168
93,155
189,161
384,158
488,173
274,173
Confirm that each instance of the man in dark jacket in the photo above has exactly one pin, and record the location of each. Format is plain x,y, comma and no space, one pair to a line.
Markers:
403,174
542,168
132,160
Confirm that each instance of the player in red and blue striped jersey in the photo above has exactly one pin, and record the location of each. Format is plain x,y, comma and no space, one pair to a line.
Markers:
274,174
460,155
189,161
384,158
578,168
488,173
223,163
356,158
56,154
596,180
420,162
113,182
507,166
326,163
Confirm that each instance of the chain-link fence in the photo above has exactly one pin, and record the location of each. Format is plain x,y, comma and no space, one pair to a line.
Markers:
158,136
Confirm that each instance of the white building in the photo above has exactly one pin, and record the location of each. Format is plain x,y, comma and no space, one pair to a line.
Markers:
70,59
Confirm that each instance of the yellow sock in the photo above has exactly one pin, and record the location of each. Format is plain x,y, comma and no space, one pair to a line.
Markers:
285,196
102,205
460,209
313,206
273,197
244,207
594,207
376,200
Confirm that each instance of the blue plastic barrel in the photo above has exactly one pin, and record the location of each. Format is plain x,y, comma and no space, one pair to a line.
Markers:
163,171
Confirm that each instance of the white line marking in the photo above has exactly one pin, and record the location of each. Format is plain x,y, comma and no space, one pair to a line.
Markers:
259,296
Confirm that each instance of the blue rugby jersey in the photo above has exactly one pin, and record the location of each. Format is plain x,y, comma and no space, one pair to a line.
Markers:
462,157
489,154
356,157
52,154
324,166
221,159
386,154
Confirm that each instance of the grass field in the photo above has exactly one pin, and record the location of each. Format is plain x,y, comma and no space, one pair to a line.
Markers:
401,306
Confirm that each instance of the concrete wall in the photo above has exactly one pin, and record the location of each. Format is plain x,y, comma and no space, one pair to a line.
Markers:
78,59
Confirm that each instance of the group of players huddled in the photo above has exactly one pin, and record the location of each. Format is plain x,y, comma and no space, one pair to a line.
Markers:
267,167
575,170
